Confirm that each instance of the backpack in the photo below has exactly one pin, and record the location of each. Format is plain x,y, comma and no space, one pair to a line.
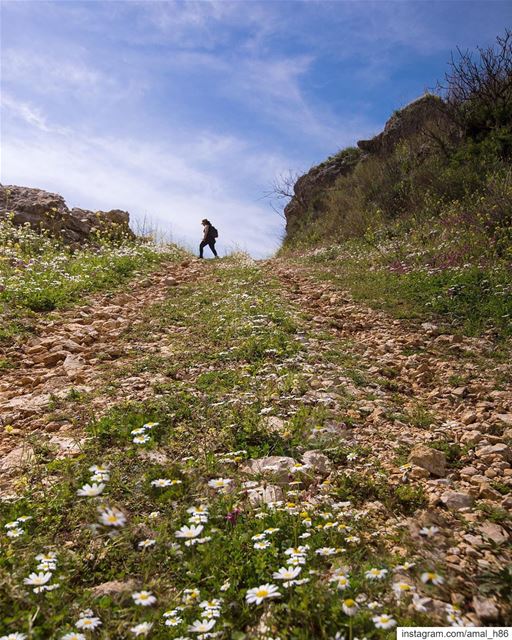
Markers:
213,231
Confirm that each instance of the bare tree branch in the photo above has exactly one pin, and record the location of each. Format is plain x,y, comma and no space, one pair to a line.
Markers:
281,191
478,87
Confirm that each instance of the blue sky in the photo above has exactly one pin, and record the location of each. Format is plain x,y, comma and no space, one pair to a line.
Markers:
182,110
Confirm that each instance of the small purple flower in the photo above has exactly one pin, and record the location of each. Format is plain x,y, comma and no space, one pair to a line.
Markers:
233,516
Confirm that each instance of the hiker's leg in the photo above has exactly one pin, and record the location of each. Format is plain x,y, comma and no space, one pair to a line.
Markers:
212,247
201,247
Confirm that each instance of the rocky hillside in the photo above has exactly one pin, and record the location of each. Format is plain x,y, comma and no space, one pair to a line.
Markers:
323,451
418,219
437,153
412,123
48,211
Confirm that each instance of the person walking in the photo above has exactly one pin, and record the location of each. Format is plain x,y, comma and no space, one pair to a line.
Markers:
210,234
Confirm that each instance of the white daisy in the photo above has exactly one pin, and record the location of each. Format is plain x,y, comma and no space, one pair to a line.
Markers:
141,629
202,509
286,573
38,579
91,490
431,576
112,517
429,532
264,591
295,468
161,482
326,551
376,574
297,551
99,468
342,582
259,536
51,556
402,588
202,626
350,607
100,477
86,613
73,635
421,604
210,604
220,483
384,621
264,544
144,544
143,598
189,532
88,623
198,519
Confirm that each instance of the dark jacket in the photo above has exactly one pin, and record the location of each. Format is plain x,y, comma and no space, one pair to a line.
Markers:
208,233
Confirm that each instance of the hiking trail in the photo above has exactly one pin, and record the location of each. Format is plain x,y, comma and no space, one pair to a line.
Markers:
389,438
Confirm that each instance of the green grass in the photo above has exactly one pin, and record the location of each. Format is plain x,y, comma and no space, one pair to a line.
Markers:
6,364
38,274
473,299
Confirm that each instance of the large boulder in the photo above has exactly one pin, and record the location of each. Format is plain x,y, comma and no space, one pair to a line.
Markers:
407,122
279,467
429,459
45,211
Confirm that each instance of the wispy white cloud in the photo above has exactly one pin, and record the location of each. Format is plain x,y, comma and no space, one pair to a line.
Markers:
149,180
26,112
45,72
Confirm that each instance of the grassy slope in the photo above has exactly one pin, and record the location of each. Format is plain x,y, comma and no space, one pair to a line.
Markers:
38,274
233,355
471,299
434,243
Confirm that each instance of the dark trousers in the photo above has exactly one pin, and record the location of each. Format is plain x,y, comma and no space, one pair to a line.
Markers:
207,243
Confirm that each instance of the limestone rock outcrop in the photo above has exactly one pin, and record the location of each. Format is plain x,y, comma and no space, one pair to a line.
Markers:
312,188
43,210
406,123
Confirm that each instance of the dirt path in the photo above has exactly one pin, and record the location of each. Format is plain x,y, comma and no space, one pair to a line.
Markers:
441,404
69,356
403,432
429,385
